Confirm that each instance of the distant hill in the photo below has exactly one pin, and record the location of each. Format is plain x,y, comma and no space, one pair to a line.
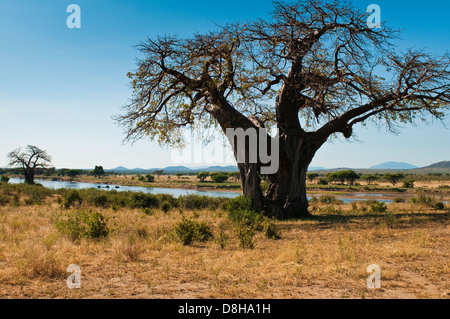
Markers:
441,167
226,169
312,169
445,164
174,169
394,165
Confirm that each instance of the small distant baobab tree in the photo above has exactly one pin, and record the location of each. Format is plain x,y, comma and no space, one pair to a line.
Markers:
313,70
29,161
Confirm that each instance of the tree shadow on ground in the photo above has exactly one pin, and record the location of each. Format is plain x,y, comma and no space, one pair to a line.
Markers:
399,220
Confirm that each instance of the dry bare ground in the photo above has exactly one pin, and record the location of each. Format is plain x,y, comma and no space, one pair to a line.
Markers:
323,257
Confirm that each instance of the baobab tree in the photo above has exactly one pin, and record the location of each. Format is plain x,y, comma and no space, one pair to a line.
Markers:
29,160
314,70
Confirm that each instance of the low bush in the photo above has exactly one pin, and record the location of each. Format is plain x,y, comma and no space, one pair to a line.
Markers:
270,229
70,197
408,184
245,234
328,199
4,200
165,206
429,201
84,224
189,231
240,210
223,239
439,206
377,207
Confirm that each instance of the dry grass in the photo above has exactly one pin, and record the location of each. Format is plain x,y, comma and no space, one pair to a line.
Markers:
323,257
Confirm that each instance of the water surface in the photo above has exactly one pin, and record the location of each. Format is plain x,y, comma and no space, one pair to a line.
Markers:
176,192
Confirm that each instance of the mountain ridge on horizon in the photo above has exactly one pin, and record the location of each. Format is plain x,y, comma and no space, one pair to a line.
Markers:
233,168
394,165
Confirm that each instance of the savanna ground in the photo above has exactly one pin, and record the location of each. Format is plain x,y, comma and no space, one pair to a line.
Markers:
138,252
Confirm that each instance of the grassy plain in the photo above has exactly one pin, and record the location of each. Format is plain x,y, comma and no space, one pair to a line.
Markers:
325,256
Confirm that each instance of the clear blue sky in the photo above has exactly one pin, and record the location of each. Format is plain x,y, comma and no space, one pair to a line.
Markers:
59,87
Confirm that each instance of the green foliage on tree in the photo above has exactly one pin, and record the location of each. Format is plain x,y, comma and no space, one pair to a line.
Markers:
98,171
393,178
4,179
370,179
202,176
348,176
220,178
74,173
408,183
312,176
158,172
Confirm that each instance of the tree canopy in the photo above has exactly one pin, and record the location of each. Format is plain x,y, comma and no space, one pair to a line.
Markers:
320,56
29,160
98,171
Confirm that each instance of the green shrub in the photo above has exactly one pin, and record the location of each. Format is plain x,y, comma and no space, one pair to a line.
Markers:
84,224
390,220
429,201
165,207
189,231
70,197
377,207
36,194
245,234
4,179
97,199
270,229
399,200
4,200
322,182
328,199
408,184
147,211
439,206
192,202
223,239
331,210
141,200
16,200
240,210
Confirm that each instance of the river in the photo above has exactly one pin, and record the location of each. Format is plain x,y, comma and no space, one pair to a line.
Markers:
176,192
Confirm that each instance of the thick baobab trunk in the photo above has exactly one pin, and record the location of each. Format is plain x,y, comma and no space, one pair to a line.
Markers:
286,194
251,184
29,176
